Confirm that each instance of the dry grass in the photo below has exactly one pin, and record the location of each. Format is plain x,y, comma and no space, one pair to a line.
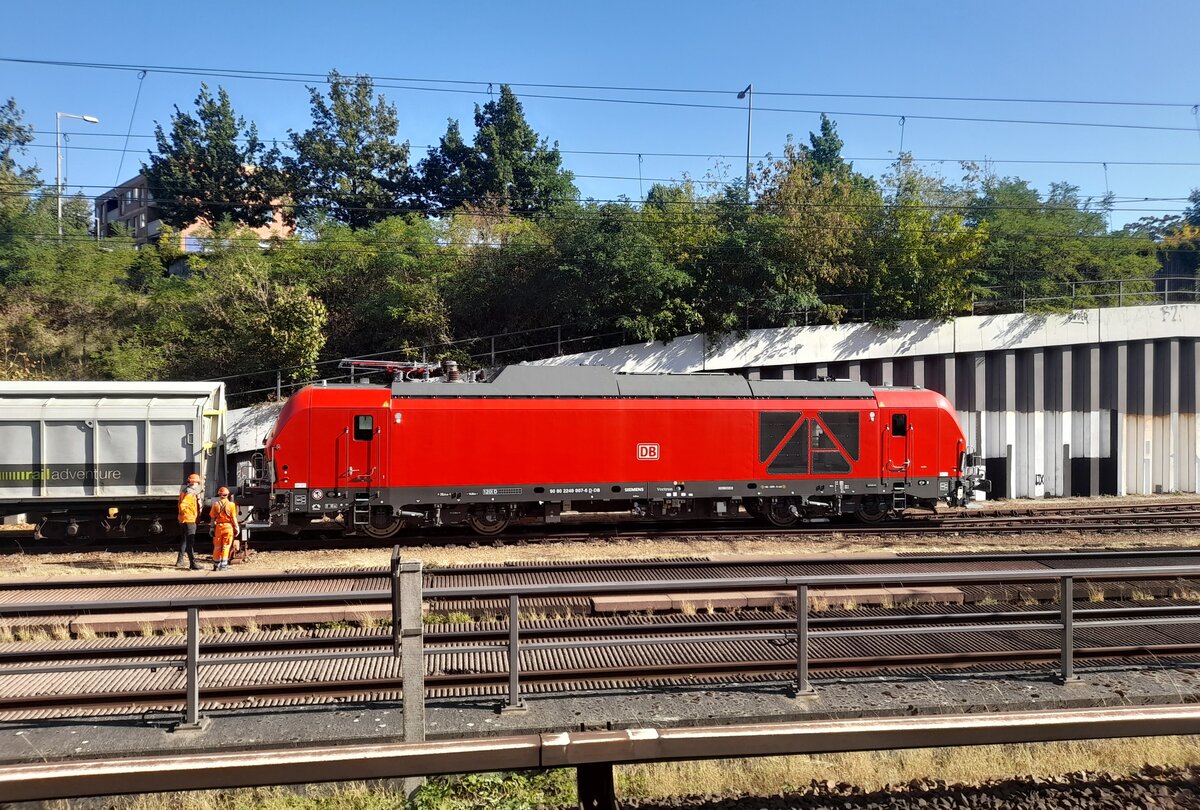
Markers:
873,769
6,635
1095,594
988,601
85,631
1141,596
60,632
350,796
32,634
687,609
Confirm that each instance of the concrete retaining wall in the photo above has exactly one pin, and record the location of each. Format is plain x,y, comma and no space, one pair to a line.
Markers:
1099,401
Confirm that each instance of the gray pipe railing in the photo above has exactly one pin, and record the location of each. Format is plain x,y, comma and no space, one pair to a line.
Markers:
406,596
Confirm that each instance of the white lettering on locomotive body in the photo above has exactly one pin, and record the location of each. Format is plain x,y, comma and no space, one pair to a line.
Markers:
648,451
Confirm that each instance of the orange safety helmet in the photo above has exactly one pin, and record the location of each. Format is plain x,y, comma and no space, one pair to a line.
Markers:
194,478
223,491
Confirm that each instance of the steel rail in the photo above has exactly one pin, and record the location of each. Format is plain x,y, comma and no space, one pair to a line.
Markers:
598,588
1054,519
564,677
246,647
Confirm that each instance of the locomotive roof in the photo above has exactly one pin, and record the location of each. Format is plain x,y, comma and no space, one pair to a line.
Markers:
598,381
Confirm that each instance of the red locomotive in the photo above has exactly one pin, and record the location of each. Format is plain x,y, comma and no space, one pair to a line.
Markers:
534,441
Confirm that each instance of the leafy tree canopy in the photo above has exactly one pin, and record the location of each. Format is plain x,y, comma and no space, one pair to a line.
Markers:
348,165
212,167
507,161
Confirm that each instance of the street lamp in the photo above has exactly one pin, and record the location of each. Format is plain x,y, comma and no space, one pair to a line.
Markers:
748,94
58,116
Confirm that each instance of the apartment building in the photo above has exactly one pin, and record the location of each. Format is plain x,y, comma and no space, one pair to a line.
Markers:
131,206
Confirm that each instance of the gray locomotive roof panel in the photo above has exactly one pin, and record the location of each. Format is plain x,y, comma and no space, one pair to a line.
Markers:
811,389
598,381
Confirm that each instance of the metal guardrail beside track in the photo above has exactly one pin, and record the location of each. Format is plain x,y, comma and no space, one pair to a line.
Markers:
593,753
407,638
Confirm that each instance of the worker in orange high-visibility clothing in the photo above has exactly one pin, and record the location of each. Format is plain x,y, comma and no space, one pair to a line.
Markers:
224,514
191,502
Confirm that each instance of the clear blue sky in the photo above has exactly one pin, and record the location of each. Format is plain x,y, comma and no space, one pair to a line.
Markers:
1103,50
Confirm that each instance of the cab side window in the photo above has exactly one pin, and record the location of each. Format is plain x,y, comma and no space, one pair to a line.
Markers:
364,428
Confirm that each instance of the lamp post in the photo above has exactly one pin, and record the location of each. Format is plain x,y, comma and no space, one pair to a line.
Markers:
58,117
748,94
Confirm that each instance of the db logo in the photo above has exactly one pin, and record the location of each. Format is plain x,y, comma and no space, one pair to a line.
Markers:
647,452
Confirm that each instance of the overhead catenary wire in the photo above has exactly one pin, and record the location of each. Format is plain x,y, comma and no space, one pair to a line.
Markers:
717,155
382,84
132,114
323,78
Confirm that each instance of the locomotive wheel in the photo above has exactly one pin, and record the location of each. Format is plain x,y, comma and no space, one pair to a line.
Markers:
383,525
778,512
872,511
753,507
488,524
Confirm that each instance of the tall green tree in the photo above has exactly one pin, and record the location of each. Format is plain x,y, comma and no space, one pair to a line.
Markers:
212,167
922,255
348,165
507,162
1038,246
381,285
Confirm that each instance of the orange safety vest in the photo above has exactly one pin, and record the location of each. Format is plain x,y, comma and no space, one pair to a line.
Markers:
189,507
224,512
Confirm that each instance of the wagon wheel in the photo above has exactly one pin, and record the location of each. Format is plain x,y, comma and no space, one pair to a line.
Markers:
488,524
383,525
778,512
872,511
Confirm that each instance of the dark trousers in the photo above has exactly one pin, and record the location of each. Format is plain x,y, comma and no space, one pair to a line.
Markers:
187,545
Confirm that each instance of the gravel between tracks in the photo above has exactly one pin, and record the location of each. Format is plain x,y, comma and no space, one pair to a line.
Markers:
1151,788
105,563
94,562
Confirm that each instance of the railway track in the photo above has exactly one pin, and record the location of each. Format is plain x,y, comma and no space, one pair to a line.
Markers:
1169,516
87,594
470,661
561,650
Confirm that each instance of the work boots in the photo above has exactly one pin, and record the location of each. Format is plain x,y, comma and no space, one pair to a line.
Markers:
195,566
180,562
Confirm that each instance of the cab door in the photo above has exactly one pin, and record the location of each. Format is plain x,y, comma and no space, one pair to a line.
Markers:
366,450
897,443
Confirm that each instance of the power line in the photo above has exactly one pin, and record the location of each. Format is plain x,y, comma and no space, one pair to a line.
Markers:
324,79
197,196
706,155
286,77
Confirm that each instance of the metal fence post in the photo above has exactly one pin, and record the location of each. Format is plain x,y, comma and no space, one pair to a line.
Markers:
515,703
412,650
192,721
1066,598
396,617
803,687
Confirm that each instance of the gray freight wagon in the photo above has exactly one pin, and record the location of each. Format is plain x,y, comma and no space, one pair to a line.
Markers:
96,459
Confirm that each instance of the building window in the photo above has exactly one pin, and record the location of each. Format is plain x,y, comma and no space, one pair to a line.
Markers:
141,220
